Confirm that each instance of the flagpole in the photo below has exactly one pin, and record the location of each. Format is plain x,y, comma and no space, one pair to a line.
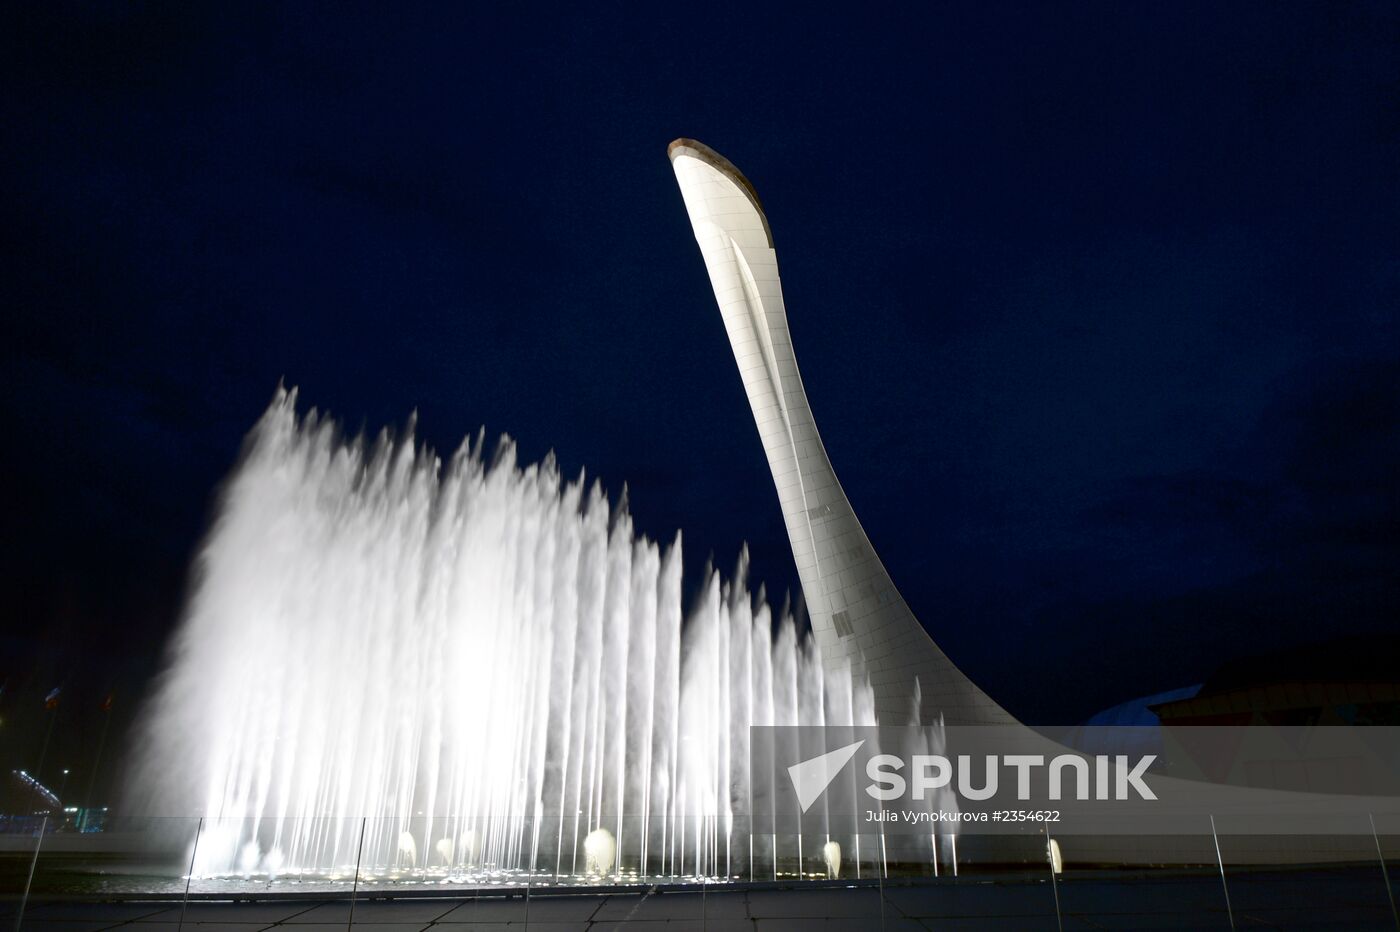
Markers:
97,761
44,752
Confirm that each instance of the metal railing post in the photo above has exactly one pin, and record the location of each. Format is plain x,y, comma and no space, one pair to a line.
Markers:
24,901
1385,874
189,874
355,883
1229,911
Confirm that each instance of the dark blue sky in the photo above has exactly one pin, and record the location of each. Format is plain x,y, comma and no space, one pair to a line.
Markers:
1096,303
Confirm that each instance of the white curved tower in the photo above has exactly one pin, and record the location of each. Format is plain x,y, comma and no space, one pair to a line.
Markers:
857,614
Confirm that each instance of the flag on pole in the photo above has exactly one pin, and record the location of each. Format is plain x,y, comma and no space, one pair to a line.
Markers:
51,700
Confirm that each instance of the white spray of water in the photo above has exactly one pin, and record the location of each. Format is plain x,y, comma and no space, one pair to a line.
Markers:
480,658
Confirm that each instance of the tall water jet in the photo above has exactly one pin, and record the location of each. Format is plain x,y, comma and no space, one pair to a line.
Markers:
466,667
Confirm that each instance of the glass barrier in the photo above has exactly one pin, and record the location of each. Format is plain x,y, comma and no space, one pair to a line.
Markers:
141,861
1385,832
21,840
958,878
558,873
1132,881
273,870
1308,878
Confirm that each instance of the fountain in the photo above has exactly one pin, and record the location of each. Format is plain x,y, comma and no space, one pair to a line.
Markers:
391,664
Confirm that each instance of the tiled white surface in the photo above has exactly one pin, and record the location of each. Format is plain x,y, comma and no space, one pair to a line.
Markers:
837,565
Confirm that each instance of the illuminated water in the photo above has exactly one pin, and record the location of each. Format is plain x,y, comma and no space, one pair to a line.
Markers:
460,668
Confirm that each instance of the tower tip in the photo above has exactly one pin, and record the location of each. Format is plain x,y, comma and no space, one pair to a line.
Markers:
698,150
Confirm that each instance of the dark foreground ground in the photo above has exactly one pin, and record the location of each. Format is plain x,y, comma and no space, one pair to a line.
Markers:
1341,898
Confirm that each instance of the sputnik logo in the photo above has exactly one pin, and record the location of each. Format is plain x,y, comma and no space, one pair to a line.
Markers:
811,777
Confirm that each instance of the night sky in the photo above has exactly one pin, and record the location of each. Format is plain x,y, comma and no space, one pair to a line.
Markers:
1096,303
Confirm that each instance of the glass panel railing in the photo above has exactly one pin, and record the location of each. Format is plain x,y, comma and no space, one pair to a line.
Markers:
1385,835
273,870
21,841
68,871
951,878
836,875
418,871
1125,881
1320,871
